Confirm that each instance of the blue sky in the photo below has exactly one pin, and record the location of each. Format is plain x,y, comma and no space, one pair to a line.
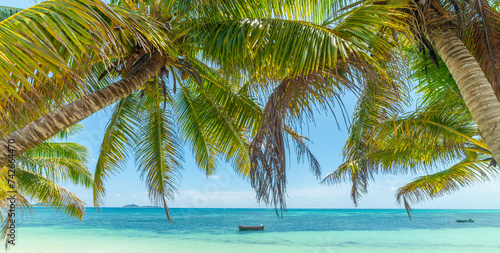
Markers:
227,189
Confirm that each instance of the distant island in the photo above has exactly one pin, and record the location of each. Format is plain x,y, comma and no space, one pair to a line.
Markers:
41,204
136,206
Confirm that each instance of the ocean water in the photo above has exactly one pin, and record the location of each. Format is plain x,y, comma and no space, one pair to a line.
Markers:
300,230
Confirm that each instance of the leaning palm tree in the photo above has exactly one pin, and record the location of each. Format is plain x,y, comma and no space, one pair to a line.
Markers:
439,134
464,34
212,114
142,52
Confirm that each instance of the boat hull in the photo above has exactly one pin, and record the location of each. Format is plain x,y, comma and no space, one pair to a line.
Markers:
465,220
251,228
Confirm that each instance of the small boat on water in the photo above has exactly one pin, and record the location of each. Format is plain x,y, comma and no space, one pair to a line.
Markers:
469,220
251,227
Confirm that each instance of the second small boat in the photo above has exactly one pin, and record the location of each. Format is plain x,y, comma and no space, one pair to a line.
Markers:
469,220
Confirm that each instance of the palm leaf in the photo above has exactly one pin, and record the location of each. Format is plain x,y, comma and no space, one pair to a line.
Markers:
188,115
227,115
462,174
119,135
481,35
158,152
70,131
43,189
272,49
59,161
6,12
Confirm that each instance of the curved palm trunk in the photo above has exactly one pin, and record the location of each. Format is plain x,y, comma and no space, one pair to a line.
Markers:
473,84
50,124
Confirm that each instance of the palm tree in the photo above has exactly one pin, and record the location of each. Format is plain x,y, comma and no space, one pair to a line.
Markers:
47,70
464,34
190,44
214,122
440,133
38,173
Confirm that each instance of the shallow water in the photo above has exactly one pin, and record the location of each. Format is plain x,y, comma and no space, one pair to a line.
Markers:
300,230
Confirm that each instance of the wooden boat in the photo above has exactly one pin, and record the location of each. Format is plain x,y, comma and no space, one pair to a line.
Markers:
469,220
251,228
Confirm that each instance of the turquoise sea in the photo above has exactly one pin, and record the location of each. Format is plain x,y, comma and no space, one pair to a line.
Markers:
300,230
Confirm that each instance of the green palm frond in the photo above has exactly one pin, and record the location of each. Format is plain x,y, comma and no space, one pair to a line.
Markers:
227,116
433,82
44,190
158,151
59,161
462,174
6,12
6,193
214,10
70,131
376,104
35,174
272,49
119,135
21,203
229,138
397,147
189,117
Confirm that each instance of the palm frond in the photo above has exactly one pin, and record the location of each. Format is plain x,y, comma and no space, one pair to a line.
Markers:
228,116
189,117
158,152
384,140
354,171
70,131
397,147
291,101
272,49
59,161
316,11
482,38
6,12
8,216
44,190
303,151
119,136
462,174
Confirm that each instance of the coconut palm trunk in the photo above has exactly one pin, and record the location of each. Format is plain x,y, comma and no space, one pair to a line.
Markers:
50,124
473,84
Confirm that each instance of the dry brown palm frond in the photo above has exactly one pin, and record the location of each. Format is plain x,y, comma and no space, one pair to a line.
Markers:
482,38
292,99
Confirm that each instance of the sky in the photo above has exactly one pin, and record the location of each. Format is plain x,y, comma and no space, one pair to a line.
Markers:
226,189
